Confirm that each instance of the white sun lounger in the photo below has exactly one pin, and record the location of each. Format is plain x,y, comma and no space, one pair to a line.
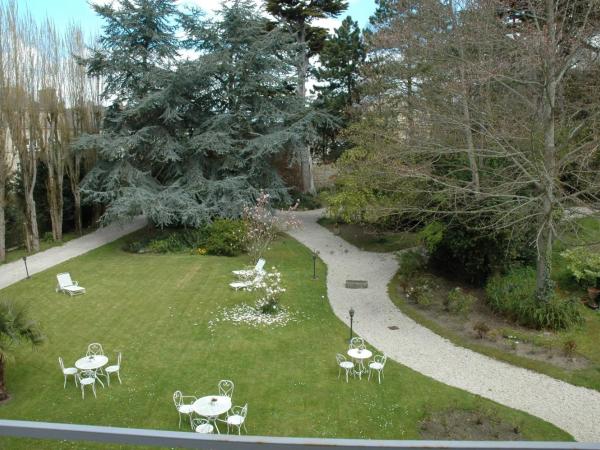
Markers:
68,286
247,273
246,284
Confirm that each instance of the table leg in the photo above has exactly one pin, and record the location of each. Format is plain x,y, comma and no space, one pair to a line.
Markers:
99,380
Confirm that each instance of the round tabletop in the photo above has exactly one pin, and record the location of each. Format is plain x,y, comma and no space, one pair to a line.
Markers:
212,405
91,362
357,353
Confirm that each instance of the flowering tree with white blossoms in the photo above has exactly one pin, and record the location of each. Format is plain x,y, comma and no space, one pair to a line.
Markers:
262,226
269,289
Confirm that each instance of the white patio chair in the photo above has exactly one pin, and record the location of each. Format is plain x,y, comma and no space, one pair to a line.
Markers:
202,426
226,388
248,283
87,378
66,371
247,273
68,286
114,369
237,418
343,363
94,349
184,408
377,365
357,342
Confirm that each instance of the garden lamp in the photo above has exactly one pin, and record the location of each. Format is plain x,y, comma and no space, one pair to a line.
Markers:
25,262
351,312
315,255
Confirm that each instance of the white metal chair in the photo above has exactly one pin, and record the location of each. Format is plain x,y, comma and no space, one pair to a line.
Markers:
67,285
343,363
202,426
114,369
94,349
237,418
257,270
183,408
87,378
357,342
377,365
226,388
66,371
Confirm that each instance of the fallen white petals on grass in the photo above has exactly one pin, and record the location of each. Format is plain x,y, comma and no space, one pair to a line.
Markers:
250,315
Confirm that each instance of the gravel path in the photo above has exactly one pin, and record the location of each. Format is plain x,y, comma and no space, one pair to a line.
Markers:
574,409
15,271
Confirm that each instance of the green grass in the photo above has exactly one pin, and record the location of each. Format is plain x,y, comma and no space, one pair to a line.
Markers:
372,241
156,309
18,253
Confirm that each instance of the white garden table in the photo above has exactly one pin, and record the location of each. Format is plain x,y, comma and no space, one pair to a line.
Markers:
211,407
359,355
92,362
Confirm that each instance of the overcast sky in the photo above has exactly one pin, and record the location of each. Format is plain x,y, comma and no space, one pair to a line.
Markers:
64,11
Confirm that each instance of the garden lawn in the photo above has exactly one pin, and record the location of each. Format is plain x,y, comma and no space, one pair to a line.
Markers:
372,240
156,309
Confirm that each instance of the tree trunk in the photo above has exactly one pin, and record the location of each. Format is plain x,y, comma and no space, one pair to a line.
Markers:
3,177
544,285
3,391
464,99
305,157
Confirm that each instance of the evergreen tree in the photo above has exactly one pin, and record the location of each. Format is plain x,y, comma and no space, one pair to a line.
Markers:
137,45
204,144
299,15
341,58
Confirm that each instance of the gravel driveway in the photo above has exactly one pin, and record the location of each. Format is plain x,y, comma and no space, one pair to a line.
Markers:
574,409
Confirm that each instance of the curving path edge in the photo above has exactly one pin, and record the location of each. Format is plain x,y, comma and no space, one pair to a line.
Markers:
15,271
574,409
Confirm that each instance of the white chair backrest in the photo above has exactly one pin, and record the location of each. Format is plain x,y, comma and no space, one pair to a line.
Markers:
177,398
64,279
260,265
61,362
340,358
226,388
244,411
94,349
357,342
119,359
381,359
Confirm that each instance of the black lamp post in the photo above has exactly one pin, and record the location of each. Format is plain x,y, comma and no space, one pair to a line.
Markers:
315,255
351,312
25,262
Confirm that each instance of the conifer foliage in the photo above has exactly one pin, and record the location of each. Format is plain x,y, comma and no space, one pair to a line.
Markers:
200,140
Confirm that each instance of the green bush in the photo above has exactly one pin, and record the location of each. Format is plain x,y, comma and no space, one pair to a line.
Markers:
459,302
583,265
513,295
411,262
473,255
226,238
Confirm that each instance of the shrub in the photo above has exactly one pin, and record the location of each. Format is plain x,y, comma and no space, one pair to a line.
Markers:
482,329
424,298
411,262
226,237
583,265
514,296
459,302
48,237
473,255
569,348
